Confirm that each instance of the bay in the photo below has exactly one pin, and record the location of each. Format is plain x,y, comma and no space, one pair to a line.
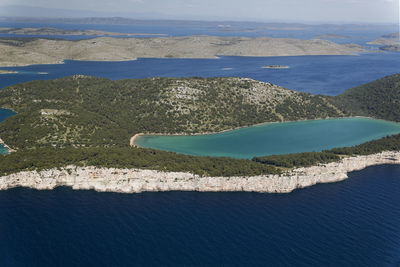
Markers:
276,138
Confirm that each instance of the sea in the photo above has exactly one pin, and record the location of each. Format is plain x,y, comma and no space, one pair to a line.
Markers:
328,75
355,222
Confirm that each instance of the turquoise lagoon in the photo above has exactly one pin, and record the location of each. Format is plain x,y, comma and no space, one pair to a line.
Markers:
276,138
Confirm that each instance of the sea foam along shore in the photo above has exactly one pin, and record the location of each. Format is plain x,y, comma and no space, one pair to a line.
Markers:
137,180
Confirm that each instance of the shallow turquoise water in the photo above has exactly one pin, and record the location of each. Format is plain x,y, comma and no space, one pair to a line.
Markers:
3,150
276,138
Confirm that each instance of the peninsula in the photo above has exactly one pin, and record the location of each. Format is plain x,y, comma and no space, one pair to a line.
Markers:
75,131
27,51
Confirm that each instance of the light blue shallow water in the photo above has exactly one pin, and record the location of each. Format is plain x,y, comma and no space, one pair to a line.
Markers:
276,138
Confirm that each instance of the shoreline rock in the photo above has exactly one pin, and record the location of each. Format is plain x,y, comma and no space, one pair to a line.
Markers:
139,180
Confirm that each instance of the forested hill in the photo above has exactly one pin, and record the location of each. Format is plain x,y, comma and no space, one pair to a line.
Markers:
88,121
81,111
379,99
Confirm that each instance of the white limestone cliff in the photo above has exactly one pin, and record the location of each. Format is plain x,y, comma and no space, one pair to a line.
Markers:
137,180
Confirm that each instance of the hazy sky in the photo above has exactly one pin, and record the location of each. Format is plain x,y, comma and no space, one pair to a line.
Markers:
368,11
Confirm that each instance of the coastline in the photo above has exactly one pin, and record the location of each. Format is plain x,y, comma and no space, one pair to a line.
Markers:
140,180
120,180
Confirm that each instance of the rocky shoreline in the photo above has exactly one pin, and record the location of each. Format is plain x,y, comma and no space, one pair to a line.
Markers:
137,180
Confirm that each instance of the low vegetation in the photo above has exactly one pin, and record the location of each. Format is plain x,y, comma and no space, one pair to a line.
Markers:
125,157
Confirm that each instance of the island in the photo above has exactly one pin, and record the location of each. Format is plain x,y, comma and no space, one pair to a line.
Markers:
7,72
331,36
388,42
28,51
384,41
392,35
60,32
392,48
275,67
76,131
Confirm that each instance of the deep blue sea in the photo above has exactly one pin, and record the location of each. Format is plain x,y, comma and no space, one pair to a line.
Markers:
351,223
329,75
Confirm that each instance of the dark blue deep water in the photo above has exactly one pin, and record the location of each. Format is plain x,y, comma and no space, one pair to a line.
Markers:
351,223
328,75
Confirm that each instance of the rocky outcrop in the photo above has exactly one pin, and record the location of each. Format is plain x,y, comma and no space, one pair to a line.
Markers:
136,180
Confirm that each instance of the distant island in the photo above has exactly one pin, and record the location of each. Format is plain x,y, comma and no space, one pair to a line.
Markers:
331,36
384,41
392,48
388,42
275,67
54,31
79,136
7,72
391,35
28,51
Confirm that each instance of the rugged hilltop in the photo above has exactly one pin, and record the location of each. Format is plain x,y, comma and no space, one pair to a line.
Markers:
27,51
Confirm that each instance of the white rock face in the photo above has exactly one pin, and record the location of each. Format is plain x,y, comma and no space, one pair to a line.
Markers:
137,180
